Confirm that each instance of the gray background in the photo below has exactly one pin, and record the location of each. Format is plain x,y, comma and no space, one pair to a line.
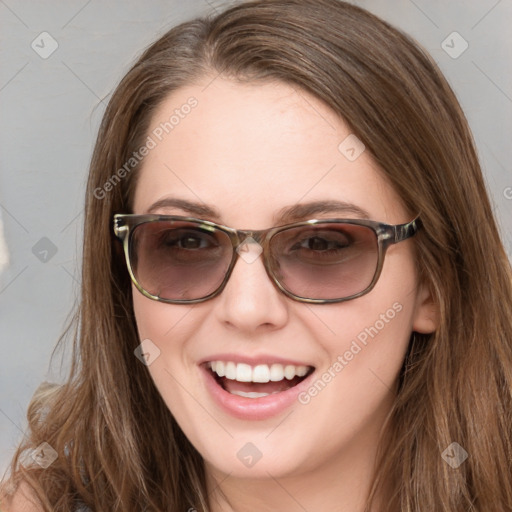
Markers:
51,110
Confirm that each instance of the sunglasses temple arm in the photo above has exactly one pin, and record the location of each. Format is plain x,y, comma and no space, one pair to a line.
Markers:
405,231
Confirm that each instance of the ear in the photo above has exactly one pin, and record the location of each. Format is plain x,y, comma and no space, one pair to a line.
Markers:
426,311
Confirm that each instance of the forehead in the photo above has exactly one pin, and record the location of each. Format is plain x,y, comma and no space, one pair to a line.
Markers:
250,150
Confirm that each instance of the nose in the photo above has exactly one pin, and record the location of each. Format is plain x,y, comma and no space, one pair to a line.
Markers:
250,302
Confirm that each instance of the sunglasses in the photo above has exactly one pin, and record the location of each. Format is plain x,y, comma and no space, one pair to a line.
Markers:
184,260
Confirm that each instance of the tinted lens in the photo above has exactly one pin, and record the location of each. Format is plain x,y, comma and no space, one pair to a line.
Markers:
325,261
179,260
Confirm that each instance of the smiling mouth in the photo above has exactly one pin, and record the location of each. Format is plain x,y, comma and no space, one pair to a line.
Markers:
257,381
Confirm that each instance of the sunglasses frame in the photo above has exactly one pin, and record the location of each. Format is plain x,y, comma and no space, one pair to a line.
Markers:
386,234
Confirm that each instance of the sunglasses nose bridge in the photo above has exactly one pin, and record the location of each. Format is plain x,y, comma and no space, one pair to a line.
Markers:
244,236
249,245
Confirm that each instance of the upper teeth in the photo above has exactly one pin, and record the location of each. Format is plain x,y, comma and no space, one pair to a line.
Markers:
260,373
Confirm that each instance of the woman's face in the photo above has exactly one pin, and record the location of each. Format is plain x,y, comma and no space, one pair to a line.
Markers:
248,153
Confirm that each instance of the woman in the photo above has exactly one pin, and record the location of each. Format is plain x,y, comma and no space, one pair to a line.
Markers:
357,358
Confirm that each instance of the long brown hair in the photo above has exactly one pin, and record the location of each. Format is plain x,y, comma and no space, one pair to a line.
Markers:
118,446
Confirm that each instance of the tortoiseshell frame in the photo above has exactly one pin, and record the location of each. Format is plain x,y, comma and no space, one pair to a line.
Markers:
386,235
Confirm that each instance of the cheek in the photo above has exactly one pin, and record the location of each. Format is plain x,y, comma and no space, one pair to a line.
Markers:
172,329
167,328
365,348
367,338
157,320
158,324
364,343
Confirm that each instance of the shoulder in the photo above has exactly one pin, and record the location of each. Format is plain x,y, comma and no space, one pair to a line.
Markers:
23,500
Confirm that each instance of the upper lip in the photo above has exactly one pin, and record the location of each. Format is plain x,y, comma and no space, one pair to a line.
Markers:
253,361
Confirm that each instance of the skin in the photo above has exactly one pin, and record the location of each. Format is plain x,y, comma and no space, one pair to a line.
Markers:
249,151
24,500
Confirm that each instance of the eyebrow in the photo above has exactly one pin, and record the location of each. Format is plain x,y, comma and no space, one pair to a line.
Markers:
288,214
302,211
196,209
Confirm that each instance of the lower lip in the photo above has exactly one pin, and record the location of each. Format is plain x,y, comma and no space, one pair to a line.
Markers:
253,408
